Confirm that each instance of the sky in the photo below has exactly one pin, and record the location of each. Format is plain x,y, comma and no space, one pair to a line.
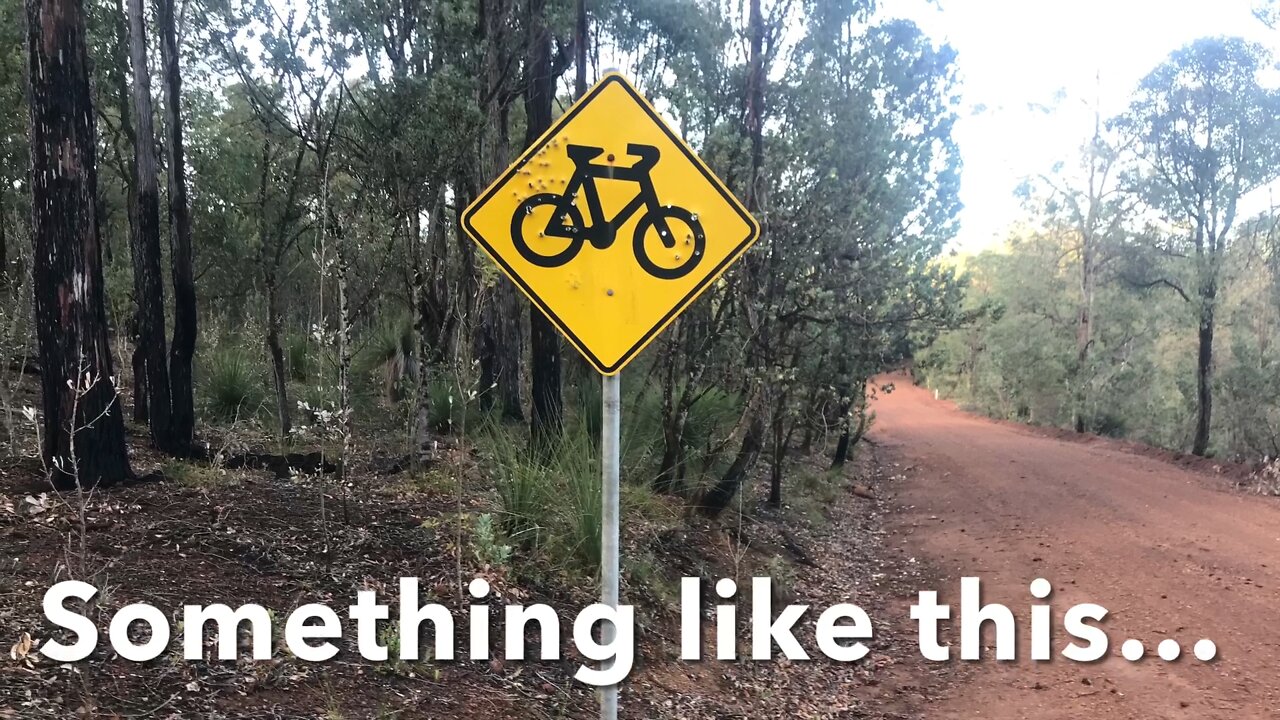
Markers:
1030,71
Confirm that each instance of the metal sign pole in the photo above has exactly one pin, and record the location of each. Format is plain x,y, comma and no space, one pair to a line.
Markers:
609,462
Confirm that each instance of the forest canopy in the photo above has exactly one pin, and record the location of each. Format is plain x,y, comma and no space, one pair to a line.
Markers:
274,215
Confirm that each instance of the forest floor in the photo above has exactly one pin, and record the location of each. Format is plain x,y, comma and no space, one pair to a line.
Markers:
216,535
1169,545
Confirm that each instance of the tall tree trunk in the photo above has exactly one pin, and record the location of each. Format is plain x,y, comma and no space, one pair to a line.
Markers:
269,260
83,438
779,459
4,245
503,334
724,490
344,348
674,416
280,378
717,499
120,55
183,349
1204,369
580,39
420,437
509,343
850,434
148,287
1084,331
544,360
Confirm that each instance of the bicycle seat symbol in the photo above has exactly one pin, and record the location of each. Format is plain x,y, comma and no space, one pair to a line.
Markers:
677,228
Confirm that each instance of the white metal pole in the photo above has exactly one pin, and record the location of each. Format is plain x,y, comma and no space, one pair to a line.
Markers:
609,461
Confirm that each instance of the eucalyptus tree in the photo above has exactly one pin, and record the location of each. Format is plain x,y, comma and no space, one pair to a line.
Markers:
181,253
861,201
148,284
1089,206
14,156
539,90
83,431
1208,132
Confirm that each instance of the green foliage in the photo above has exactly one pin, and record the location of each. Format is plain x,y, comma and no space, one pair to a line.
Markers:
194,475
551,504
390,339
1016,358
231,383
489,550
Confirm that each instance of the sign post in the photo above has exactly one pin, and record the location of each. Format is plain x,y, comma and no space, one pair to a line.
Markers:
611,226
610,460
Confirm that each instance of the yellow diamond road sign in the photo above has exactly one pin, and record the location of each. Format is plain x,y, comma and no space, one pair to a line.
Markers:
610,224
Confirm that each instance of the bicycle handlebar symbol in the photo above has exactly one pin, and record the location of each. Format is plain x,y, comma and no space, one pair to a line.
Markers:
567,223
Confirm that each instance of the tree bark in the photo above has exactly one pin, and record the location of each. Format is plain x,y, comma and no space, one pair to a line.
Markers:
148,288
548,413
674,416
4,245
717,499
779,459
83,431
580,38
501,337
1084,330
849,433
182,351
269,259
279,377
1204,370
129,172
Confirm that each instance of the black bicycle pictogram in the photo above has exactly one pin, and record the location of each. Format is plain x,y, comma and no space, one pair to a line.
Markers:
566,219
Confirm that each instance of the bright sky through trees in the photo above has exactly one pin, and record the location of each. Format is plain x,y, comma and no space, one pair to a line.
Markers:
1030,74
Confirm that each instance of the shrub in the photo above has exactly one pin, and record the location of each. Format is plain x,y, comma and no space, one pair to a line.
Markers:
392,338
297,357
1266,480
488,548
231,385
551,503
522,484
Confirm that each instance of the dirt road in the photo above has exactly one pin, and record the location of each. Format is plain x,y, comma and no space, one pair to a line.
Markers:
1169,552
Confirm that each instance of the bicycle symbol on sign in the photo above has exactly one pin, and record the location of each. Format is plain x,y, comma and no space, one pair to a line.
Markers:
566,220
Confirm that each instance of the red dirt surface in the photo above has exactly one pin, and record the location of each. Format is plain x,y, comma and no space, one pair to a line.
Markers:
1170,551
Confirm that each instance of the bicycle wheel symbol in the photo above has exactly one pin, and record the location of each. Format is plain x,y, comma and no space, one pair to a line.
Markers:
548,229
689,245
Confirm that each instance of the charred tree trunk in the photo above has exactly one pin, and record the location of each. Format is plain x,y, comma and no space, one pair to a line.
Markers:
779,459
580,49
486,352
148,286
138,365
717,499
83,431
1204,369
548,404
280,378
850,434
182,351
129,170
420,437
